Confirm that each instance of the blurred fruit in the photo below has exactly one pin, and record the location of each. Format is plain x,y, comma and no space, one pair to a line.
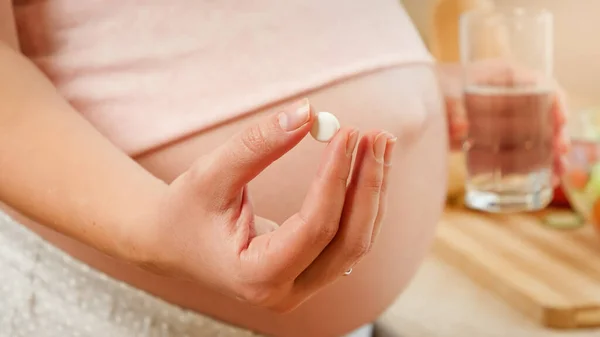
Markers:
563,220
592,187
560,199
577,178
581,180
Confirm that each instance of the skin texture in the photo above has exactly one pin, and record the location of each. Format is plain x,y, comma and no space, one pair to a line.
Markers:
276,270
75,183
379,275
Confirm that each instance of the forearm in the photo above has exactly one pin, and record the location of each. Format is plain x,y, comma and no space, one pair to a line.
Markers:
57,169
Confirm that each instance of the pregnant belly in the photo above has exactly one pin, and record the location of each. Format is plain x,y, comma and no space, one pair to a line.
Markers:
404,101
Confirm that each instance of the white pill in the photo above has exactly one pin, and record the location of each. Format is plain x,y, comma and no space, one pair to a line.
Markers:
325,127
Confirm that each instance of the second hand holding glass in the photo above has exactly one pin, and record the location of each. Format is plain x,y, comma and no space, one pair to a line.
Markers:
508,96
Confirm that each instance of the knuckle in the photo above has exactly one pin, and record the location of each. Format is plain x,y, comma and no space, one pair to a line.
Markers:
264,295
256,295
327,231
373,184
358,249
324,232
255,141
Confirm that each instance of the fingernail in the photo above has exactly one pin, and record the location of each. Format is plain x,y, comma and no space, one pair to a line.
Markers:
351,142
293,119
380,144
389,151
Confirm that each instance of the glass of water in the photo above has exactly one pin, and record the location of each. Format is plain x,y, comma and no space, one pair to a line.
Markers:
509,97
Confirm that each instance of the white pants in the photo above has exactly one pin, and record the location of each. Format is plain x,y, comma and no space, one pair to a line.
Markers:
46,293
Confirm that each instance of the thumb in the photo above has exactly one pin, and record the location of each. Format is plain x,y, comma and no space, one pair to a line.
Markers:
248,153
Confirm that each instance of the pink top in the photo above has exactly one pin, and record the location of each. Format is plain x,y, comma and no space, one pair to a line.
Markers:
150,72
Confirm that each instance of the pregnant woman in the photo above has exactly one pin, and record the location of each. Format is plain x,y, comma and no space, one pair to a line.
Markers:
156,179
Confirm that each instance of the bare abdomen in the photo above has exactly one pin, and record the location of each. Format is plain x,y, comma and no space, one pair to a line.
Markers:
404,101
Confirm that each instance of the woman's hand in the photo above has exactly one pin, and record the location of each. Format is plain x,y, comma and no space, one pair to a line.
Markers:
450,76
205,229
58,170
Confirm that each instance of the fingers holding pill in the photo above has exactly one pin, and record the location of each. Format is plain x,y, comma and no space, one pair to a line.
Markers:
387,164
364,196
339,218
361,211
266,264
304,235
326,125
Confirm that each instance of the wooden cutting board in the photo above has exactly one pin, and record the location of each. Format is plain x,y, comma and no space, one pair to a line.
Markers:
551,275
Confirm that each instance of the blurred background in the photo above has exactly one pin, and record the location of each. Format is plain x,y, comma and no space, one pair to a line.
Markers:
506,275
577,65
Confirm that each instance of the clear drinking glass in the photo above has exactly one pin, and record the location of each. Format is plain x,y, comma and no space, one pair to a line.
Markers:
508,96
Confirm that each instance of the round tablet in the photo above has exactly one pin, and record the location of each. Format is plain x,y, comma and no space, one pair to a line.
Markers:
325,127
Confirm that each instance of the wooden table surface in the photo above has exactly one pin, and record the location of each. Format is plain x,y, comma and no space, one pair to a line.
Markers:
442,302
